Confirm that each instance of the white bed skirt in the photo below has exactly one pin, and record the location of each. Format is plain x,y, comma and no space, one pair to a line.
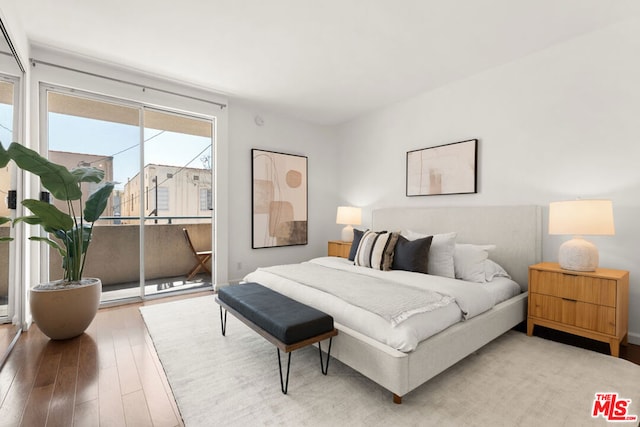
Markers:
401,372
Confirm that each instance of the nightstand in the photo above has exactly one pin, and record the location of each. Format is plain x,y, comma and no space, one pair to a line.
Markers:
592,304
339,248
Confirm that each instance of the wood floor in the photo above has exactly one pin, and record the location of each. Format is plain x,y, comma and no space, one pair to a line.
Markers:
110,376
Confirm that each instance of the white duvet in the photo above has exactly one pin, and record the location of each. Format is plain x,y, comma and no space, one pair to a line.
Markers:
471,299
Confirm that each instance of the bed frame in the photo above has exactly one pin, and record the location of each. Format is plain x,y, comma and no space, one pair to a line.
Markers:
516,232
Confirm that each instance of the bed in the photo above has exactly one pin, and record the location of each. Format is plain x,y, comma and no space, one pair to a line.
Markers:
402,366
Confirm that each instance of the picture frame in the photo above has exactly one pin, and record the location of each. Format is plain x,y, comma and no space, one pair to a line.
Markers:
443,169
279,199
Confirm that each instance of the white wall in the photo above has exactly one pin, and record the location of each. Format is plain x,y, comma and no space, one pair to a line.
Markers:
559,124
285,135
16,31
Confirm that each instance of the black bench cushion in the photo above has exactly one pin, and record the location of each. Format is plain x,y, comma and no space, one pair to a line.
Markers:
286,319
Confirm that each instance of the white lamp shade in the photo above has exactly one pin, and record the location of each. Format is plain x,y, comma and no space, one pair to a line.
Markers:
577,218
581,217
348,215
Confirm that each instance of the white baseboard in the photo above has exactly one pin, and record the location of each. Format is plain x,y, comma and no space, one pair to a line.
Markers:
634,338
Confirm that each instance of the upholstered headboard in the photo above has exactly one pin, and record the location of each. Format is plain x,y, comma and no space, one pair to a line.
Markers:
515,230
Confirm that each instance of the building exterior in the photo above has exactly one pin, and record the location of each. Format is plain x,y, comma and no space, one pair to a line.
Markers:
171,193
174,194
70,161
74,160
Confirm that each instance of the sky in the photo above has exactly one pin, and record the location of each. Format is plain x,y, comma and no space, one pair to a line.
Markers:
90,136
6,124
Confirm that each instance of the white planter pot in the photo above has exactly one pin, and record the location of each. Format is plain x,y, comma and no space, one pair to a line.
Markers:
65,312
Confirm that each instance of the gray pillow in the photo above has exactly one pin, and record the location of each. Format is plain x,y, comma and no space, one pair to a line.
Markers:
357,235
412,255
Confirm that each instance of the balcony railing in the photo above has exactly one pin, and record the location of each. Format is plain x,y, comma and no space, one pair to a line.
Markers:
118,220
114,254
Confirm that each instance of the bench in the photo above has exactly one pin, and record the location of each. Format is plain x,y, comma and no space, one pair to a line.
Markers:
286,323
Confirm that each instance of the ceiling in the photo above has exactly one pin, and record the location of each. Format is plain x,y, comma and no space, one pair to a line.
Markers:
325,62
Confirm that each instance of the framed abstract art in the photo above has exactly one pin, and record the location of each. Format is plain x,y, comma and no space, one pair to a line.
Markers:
444,169
279,199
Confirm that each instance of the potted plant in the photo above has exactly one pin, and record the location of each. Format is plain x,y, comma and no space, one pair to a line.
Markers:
63,308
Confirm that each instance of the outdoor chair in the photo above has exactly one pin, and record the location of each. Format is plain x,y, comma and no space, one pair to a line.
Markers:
201,256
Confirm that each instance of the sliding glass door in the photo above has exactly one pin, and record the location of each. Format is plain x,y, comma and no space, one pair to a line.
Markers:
178,201
88,132
7,184
159,161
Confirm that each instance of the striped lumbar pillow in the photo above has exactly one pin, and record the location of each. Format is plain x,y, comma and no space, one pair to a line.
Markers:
376,250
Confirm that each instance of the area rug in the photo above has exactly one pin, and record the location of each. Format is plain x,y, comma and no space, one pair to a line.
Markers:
513,381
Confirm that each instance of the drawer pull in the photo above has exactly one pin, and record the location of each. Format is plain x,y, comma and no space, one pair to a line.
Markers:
570,300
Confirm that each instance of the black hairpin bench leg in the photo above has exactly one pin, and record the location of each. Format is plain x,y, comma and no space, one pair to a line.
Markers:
223,322
284,386
287,348
324,368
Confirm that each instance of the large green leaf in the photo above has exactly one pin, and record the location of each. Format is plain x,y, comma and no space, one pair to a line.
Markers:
4,156
87,232
51,243
88,174
29,219
72,237
62,184
97,202
77,241
52,217
6,239
36,220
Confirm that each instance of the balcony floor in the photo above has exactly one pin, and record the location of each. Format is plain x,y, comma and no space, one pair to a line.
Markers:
155,287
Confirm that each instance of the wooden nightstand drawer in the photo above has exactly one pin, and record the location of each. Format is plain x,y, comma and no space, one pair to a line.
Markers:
593,290
593,317
338,248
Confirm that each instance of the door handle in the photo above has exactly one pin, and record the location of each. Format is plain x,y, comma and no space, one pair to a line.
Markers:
12,199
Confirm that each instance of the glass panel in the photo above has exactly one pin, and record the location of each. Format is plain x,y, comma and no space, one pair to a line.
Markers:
6,180
177,171
89,132
10,288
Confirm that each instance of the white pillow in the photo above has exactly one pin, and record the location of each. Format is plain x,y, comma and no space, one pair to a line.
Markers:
493,269
469,261
440,254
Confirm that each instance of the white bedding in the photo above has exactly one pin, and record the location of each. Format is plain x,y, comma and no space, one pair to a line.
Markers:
471,300
395,303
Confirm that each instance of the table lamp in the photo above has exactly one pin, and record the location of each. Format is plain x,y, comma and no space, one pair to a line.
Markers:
578,218
350,216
